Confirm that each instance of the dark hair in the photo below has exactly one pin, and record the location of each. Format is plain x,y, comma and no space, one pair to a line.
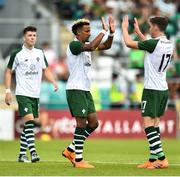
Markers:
29,28
79,24
161,22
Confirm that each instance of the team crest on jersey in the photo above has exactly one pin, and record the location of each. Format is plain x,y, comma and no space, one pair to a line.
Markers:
32,67
83,111
38,59
26,109
26,60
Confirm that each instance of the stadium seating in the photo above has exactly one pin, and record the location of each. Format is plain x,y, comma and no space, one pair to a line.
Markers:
53,100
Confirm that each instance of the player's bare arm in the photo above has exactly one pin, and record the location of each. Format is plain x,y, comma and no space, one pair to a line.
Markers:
8,95
138,31
95,43
107,44
127,39
49,76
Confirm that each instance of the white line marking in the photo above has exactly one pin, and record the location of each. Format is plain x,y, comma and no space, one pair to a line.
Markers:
98,162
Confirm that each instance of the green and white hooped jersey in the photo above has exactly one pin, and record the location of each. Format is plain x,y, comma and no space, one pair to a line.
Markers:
158,56
79,65
28,66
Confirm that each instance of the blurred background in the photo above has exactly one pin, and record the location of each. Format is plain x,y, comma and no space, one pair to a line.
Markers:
117,73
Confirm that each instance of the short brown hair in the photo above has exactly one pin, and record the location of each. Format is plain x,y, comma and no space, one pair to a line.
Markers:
79,24
29,28
161,22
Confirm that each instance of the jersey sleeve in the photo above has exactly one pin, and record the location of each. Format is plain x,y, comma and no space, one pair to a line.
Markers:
76,47
12,61
148,45
45,63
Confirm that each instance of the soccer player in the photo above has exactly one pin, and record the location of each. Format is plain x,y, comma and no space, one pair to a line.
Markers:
79,98
28,63
155,94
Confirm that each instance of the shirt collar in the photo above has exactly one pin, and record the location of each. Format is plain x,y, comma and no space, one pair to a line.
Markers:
75,39
161,37
24,47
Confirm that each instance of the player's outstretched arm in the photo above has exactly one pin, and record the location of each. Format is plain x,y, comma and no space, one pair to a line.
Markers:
8,78
107,44
49,76
95,43
138,31
127,39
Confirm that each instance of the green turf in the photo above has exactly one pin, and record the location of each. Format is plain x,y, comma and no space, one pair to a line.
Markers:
110,157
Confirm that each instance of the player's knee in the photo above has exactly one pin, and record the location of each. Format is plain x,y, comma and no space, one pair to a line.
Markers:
81,123
95,125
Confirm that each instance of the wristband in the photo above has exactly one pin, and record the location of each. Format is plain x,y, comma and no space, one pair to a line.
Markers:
103,31
8,91
111,34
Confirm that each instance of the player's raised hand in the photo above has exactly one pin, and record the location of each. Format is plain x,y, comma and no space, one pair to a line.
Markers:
136,26
8,99
138,31
125,22
104,24
112,24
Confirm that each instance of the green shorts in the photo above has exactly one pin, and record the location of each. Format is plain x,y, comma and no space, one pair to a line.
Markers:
80,103
28,105
153,103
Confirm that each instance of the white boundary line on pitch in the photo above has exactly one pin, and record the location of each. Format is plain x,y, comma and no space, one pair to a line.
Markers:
99,162
130,163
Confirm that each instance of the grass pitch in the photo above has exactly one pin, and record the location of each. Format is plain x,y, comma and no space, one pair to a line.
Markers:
110,158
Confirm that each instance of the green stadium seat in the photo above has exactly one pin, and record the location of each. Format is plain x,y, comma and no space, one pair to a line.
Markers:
53,100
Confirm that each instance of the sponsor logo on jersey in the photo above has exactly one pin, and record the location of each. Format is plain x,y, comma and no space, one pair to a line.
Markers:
31,73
